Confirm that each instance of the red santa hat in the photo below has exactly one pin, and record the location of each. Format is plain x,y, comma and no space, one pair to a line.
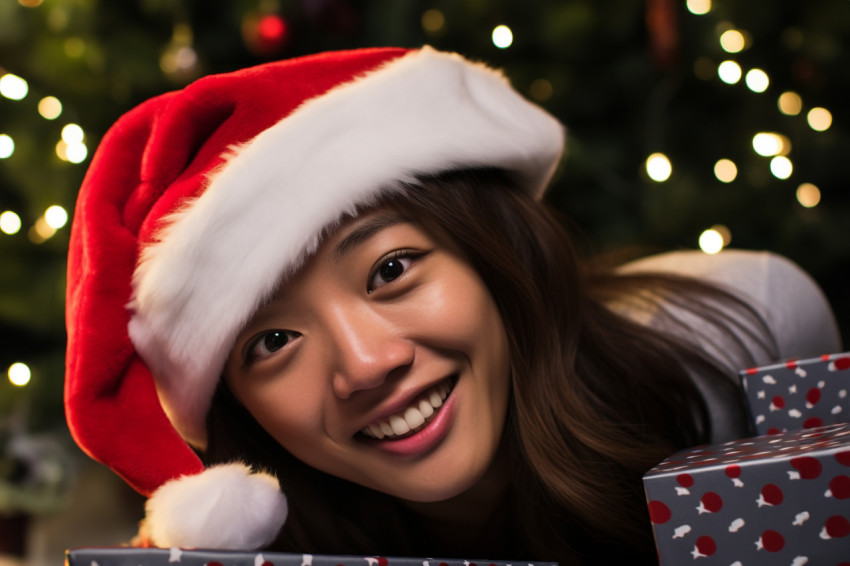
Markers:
198,202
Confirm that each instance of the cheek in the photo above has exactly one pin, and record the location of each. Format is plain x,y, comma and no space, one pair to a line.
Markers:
461,307
288,410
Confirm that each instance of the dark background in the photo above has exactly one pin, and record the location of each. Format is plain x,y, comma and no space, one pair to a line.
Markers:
628,78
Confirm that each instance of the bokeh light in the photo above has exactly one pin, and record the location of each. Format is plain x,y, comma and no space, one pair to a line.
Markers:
13,87
658,167
10,222
732,41
757,80
711,241
72,133
781,167
699,7
541,90
503,37
7,146
41,231
808,195
819,119
790,103
725,170
49,107
769,144
19,374
56,216
433,20
729,72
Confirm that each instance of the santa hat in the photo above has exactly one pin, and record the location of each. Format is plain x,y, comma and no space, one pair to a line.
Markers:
199,201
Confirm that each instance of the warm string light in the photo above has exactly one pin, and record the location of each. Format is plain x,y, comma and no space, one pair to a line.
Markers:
13,87
502,37
7,146
774,145
729,72
72,147
769,144
541,90
179,60
714,239
698,7
45,227
725,170
732,41
658,167
433,20
819,119
19,374
49,107
790,103
10,222
757,80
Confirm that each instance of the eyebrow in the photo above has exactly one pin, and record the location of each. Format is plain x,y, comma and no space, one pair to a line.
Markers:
363,232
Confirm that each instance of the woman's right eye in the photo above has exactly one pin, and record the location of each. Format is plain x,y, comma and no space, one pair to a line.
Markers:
268,343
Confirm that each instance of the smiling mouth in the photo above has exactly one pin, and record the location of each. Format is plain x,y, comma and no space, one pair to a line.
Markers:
414,418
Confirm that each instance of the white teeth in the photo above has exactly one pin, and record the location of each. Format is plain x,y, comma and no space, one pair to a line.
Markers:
412,418
425,408
399,425
376,431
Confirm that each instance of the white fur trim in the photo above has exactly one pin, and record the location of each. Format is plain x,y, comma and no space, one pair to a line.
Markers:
225,507
425,112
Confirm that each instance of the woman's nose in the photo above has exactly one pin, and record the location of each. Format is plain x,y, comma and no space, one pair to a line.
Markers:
367,350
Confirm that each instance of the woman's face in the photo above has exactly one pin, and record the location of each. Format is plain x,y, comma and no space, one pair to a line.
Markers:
383,361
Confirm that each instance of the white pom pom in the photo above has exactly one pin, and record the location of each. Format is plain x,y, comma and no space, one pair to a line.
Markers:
225,507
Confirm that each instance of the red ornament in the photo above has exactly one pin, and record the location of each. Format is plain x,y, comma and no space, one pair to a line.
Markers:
265,34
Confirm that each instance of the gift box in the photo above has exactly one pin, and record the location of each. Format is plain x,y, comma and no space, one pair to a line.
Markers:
798,393
779,499
178,557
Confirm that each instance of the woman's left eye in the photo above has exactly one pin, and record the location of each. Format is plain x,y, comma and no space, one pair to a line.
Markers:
389,269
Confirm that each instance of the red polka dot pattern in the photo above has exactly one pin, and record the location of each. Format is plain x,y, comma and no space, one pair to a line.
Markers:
781,499
799,394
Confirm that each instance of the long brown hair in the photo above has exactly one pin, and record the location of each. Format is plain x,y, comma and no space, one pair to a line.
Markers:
597,399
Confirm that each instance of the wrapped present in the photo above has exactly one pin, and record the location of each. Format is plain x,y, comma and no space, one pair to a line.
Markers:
780,499
178,557
799,393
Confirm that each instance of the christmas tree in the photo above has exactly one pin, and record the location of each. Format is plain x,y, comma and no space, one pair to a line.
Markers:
698,124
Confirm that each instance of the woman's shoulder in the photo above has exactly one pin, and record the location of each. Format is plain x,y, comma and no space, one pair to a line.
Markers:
791,304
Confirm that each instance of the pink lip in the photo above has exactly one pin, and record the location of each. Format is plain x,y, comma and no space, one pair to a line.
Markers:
425,439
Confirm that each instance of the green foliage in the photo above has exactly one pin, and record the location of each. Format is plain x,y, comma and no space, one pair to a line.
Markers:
619,98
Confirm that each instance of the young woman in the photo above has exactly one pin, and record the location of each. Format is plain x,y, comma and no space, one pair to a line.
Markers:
337,273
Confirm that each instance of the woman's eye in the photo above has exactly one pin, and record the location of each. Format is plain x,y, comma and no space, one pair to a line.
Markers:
270,342
389,270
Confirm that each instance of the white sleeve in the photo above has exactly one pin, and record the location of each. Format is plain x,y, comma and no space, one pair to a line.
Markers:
795,310
798,322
